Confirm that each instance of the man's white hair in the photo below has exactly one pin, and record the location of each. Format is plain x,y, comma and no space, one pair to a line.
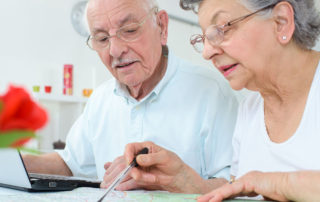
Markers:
148,3
151,4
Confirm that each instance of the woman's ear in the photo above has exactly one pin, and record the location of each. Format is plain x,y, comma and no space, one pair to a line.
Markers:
163,20
283,15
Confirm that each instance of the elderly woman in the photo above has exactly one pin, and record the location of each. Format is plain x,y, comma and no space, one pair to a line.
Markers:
266,47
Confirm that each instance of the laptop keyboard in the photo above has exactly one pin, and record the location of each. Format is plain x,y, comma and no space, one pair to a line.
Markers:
59,177
48,177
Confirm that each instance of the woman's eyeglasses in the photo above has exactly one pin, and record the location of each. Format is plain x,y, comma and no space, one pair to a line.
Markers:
215,33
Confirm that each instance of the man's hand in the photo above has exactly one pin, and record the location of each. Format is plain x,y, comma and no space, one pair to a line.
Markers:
162,169
112,171
251,184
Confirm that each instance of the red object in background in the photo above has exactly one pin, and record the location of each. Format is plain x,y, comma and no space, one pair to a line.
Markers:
19,112
47,89
67,79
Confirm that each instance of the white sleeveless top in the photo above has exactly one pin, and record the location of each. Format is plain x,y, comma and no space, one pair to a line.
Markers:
253,150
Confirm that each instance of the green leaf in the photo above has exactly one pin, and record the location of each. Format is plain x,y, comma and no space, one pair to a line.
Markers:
29,150
10,137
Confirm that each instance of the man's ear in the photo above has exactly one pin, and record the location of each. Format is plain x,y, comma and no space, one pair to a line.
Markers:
162,20
283,15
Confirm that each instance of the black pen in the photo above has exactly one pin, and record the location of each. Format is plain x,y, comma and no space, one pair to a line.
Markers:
123,174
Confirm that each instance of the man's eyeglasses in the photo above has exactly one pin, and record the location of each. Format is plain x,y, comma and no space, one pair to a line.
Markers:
126,33
215,33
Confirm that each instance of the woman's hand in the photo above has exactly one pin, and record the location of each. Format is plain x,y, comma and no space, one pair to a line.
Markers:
251,184
162,169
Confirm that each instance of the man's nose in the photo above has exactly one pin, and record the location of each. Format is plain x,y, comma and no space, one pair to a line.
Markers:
210,50
117,47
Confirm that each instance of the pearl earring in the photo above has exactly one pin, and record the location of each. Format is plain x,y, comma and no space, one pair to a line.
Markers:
284,37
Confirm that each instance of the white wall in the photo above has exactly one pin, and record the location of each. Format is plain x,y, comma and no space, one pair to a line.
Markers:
37,38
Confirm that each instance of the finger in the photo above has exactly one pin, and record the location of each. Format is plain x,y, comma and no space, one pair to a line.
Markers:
206,197
218,194
116,162
231,190
143,177
128,185
216,198
158,158
132,149
107,165
126,178
211,197
112,174
103,185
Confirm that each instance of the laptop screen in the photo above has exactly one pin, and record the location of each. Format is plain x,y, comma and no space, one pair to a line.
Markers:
12,170
13,174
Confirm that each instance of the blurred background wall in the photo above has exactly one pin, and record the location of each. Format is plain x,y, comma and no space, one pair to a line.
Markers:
37,38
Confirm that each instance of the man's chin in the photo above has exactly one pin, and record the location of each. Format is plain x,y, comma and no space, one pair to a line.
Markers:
131,84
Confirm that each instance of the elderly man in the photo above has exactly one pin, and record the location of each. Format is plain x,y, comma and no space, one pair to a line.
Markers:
154,96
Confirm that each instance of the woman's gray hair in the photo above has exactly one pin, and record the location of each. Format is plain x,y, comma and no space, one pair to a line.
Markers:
306,17
190,5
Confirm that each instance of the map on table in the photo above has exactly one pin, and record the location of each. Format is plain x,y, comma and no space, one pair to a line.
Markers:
93,195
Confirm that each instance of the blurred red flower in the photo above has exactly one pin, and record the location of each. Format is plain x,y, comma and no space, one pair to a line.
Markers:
20,116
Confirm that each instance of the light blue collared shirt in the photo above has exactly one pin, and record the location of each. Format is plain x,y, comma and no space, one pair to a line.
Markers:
189,112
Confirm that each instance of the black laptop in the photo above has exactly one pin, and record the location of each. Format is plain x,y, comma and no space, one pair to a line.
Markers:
13,174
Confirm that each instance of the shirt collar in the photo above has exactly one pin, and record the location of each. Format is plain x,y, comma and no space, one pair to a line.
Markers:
121,90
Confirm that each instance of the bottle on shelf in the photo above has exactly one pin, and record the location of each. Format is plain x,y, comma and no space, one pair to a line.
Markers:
67,79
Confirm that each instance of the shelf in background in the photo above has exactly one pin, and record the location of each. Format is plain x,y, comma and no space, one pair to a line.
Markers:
59,98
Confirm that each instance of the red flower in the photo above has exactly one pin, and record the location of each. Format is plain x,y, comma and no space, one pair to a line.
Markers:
18,112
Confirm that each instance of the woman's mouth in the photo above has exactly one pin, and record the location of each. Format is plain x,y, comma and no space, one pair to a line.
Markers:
227,69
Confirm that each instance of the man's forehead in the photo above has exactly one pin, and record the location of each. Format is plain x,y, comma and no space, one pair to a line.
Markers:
114,6
117,11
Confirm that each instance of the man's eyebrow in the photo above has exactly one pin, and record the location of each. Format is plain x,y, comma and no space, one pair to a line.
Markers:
129,17
99,30
215,16
126,19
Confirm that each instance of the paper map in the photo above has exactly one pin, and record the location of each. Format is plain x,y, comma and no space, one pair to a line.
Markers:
93,195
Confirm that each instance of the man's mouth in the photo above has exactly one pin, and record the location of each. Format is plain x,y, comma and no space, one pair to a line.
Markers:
123,65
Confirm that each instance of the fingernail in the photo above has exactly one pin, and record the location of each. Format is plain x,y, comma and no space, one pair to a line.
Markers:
142,159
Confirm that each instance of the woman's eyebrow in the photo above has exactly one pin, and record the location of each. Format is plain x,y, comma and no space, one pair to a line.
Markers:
215,16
